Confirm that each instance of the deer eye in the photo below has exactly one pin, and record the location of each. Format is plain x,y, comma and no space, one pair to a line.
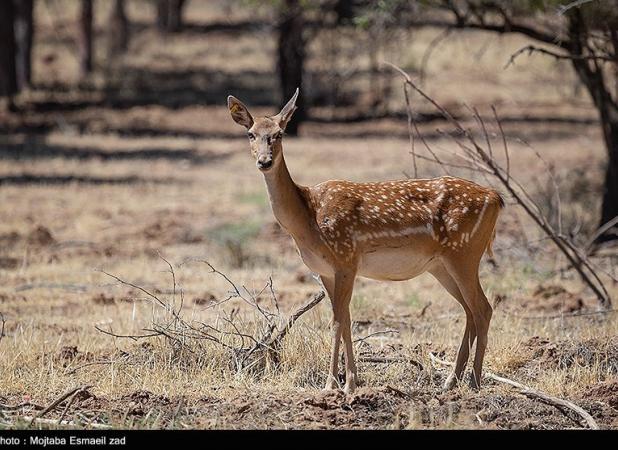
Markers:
251,136
278,136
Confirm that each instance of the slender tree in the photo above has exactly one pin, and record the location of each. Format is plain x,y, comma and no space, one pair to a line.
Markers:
85,37
118,29
8,70
169,15
291,43
174,23
24,32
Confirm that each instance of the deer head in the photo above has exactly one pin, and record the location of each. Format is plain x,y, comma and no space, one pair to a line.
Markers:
265,133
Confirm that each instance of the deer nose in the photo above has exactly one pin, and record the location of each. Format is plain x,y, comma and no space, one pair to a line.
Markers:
264,163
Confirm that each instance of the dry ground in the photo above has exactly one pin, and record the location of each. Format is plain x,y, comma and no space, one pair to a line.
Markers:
95,179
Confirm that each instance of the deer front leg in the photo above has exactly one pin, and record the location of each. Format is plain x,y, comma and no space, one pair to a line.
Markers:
331,379
351,376
339,290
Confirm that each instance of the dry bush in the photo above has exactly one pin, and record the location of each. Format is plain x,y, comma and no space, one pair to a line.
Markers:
249,342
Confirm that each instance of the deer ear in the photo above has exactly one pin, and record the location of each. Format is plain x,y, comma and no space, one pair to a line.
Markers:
286,113
239,112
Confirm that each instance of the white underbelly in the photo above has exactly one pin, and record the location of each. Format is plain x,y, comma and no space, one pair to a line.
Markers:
316,262
394,264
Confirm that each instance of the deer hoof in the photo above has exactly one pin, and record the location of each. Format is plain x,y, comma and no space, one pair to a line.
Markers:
349,388
450,382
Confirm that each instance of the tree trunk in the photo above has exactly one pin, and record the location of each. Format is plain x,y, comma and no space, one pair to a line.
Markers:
162,14
174,21
169,15
8,73
118,29
291,59
85,38
344,10
609,207
592,76
24,31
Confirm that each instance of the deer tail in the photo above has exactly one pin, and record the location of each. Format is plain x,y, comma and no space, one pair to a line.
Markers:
489,249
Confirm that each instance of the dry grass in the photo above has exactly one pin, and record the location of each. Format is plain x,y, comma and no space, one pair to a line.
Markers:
129,205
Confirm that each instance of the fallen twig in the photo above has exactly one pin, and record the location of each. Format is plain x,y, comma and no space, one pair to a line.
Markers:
533,393
555,401
377,333
560,316
3,321
424,310
397,391
70,402
66,423
390,360
177,410
4,407
59,400
71,371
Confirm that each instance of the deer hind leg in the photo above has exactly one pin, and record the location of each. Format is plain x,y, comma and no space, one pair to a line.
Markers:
467,341
340,290
465,275
482,320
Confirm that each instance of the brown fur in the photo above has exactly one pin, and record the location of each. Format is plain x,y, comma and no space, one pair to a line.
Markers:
392,230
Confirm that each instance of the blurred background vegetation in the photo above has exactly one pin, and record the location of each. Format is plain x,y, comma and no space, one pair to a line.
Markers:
108,57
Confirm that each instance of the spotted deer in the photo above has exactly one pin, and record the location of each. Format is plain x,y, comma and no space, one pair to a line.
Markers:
391,230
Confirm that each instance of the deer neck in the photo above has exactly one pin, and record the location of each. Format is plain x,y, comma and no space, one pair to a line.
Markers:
288,205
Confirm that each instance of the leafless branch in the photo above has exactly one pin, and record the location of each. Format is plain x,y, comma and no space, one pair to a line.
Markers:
4,407
66,423
555,401
589,247
530,49
562,316
247,349
482,159
83,390
410,134
390,360
59,400
317,298
575,4
377,333
3,322
533,393
430,49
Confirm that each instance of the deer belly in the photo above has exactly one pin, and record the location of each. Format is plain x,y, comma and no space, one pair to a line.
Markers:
393,264
315,262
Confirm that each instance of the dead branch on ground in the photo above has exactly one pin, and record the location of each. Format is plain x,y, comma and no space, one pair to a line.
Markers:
533,393
66,423
3,322
390,360
4,407
70,393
